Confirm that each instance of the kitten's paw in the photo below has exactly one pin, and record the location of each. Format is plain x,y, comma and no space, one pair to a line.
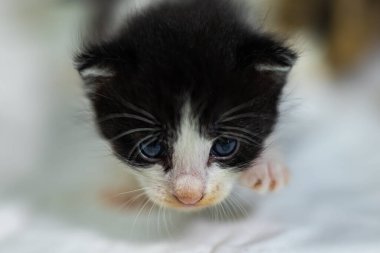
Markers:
266,176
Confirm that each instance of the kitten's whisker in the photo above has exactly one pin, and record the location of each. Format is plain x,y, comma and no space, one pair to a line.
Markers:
147,129
124,205
150,179
171,221
237,203
166,224
93,92
225,214
148,220
243,116
219,214
127,115
231,209
138,214
243,130
146,138
133,191
237,108
242,202
211,213
138,109
158,220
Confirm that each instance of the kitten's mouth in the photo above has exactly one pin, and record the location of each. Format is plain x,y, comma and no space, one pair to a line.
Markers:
189,196
173,202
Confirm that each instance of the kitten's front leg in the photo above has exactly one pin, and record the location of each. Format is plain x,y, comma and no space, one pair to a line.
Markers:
267,174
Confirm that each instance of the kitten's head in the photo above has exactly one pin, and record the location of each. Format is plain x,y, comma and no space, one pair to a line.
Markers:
186,98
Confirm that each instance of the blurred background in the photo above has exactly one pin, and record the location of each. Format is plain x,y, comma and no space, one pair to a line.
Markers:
55,170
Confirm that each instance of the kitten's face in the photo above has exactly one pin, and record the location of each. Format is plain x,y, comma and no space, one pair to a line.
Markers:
187,110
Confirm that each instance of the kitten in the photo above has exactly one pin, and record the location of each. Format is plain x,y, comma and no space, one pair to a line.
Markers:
187,95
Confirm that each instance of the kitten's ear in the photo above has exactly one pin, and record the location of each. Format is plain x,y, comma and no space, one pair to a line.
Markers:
96,65
266,55
93,68
92,62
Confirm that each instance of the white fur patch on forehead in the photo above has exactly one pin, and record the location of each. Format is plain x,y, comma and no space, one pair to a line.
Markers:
191,150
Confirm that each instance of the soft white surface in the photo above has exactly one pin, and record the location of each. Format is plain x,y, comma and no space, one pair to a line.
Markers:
52,165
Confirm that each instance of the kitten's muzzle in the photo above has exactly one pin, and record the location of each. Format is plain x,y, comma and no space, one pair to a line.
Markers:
188,190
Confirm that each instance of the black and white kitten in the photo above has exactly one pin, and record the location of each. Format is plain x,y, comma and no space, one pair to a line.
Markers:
187,94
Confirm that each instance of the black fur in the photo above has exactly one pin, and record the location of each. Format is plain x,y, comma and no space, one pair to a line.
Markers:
196,50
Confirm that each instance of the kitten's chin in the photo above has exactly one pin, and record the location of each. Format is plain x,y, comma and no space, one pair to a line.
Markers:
184,207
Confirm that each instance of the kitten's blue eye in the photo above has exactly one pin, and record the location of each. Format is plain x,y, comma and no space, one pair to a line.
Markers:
151,150
224,147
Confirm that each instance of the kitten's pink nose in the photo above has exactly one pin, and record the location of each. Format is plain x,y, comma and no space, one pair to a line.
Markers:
188,190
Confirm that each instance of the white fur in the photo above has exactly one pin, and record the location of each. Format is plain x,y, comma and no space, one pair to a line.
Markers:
191,150
191,153
96,72
273,68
